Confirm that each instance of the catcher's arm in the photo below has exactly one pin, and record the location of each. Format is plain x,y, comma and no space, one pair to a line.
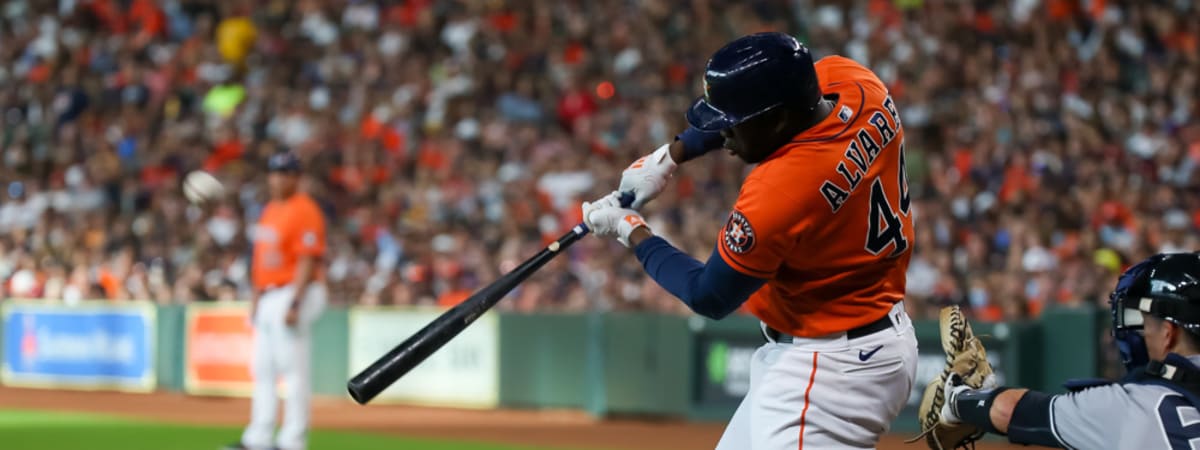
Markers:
1002,409
1025,416
989,409
971,402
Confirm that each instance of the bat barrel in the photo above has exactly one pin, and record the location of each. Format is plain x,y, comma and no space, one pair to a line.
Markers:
401,359
414,350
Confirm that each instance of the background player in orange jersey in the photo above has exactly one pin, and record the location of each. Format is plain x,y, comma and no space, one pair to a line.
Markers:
816,247
289,295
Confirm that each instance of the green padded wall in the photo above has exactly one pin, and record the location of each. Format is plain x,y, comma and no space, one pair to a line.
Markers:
543,360
169,347
330,346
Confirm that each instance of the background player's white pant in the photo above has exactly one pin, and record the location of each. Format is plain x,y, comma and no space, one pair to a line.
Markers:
820,394
282,351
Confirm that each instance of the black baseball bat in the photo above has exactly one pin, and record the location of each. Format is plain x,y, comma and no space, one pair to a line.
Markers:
404,357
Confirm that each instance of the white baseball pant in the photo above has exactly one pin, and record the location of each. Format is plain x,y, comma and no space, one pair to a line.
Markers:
282,351
826,393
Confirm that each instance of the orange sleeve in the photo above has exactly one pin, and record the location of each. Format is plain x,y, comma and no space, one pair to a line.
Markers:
758,235
310,231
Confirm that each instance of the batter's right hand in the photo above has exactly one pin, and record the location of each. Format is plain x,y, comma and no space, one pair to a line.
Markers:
647,177
606,218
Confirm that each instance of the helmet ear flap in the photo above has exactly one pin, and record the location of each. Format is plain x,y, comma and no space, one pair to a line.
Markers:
1125,314
1127,320
1132,347
1127,325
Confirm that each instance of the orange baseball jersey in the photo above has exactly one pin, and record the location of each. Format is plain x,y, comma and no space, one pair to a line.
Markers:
826,219
287,230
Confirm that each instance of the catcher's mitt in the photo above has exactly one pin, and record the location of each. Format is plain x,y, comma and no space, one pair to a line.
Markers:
966,357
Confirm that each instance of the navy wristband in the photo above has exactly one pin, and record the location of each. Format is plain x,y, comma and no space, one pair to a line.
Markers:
697,143
975,407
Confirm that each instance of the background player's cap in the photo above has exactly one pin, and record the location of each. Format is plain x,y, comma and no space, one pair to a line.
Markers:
752,75
284,161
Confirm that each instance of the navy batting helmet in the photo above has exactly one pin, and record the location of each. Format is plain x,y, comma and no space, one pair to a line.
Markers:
752,75
1166,286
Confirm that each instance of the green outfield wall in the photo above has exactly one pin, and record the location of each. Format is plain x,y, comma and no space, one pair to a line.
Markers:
609,364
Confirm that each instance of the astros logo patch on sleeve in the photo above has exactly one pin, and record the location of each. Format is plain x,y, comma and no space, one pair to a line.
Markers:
739,236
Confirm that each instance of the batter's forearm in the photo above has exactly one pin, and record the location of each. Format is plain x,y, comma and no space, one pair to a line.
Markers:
693,143
639,235
678,152
712,289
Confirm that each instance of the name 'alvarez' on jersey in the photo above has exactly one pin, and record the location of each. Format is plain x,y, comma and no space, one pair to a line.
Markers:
826,219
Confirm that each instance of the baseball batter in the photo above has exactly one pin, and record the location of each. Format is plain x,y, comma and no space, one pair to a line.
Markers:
289,241
816,246
1156,322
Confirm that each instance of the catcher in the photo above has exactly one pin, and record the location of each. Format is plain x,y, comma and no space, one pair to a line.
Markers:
1156,323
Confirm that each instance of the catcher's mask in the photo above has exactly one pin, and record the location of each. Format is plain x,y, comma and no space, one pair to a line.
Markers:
1167,286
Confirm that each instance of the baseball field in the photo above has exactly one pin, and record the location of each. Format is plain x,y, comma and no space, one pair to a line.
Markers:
70,420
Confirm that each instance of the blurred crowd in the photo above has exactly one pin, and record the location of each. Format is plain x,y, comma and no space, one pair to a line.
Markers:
1050,143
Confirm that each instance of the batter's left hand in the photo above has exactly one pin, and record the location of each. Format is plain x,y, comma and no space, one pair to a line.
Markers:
647,177
606,217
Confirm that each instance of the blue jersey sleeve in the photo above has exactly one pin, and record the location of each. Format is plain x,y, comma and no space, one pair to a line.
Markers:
711,289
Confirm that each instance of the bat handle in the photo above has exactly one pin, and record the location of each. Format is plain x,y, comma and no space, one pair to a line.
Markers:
626,200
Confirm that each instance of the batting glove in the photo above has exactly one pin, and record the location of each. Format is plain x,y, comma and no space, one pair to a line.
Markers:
606,217
647,176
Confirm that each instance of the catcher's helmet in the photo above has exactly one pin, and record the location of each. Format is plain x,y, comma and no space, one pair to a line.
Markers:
1166,286
752,75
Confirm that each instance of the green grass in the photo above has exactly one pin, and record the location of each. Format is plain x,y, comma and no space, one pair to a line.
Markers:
37,430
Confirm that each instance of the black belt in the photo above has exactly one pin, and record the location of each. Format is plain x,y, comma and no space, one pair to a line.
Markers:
883,323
